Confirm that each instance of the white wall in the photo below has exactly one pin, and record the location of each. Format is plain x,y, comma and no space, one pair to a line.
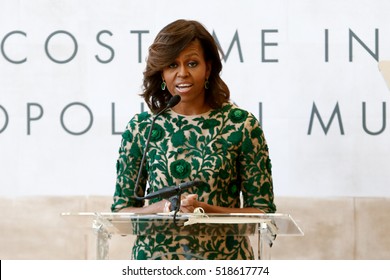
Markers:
317,54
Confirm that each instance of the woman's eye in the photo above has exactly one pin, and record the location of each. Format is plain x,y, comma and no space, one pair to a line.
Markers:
192,64
172,65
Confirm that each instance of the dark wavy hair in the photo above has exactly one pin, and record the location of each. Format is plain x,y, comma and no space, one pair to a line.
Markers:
168,44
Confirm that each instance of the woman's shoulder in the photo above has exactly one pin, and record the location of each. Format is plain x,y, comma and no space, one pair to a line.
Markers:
235,112
138,121
231,105
141,117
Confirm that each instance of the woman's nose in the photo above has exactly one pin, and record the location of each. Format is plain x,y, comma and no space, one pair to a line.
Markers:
182,71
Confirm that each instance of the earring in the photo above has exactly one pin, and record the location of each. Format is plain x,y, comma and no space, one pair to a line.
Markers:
207,84
163,85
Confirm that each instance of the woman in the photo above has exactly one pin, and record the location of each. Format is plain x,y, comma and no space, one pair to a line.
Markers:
204,138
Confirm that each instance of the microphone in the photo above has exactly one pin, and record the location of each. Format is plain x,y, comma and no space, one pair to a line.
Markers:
171,103
171,191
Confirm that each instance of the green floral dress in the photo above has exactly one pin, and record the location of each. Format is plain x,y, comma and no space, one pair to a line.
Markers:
224,148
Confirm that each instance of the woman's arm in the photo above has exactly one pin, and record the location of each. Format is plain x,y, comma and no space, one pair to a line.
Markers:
190,203
154,208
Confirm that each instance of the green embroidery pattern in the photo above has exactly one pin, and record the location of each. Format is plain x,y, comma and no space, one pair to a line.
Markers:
224,148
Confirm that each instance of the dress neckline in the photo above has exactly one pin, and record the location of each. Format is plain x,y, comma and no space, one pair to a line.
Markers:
173,113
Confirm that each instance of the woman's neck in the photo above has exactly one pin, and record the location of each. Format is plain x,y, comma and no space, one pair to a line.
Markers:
182,109
191,107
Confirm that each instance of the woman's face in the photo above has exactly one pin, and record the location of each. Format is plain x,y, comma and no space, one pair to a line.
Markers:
186,75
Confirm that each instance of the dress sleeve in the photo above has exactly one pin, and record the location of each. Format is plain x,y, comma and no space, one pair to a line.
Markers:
255,168
127,166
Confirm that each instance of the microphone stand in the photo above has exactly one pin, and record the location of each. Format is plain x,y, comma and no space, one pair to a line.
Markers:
175,205
175,199
173,195
171,103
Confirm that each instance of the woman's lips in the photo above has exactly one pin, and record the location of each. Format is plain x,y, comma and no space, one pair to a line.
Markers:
183,88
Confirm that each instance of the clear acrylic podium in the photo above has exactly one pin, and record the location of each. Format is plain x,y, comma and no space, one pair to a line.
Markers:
262,228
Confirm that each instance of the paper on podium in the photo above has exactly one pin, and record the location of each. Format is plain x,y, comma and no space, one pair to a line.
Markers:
199,216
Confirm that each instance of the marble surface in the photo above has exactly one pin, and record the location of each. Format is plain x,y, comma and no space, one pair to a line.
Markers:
335,229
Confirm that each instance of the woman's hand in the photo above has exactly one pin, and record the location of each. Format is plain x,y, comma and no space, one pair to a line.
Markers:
189,203
158,207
